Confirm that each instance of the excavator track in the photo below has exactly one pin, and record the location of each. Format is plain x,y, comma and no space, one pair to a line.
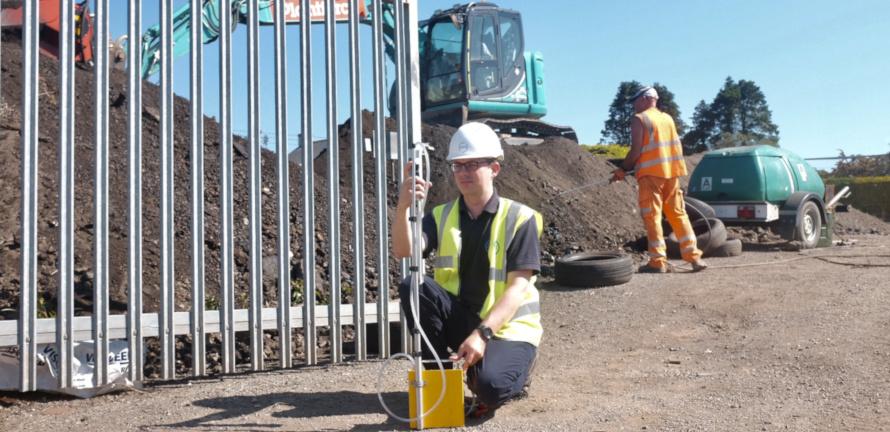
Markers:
528,128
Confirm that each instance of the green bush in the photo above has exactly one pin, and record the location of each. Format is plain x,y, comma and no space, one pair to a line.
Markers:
608,151
869,194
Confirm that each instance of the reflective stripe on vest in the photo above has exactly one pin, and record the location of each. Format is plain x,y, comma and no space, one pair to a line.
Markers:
525,325
661,153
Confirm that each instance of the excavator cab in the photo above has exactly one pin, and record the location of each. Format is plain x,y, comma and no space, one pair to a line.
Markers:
474,61
475,67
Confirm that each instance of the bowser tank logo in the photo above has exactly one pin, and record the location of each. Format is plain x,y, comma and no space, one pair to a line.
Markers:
706,183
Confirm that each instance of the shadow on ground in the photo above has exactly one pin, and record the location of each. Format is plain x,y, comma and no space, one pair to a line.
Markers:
10,398
293,405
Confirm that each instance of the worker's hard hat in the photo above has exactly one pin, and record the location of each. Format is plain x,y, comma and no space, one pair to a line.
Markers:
475,140
647,91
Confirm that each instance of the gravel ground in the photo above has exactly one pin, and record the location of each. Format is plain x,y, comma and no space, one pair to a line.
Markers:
798,344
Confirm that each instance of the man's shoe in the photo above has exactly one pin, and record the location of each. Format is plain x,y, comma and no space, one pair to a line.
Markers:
646,268
699,265
480,411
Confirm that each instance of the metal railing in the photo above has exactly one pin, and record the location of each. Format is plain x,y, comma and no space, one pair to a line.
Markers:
65,329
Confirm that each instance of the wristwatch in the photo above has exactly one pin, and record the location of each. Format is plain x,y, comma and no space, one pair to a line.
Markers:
485,332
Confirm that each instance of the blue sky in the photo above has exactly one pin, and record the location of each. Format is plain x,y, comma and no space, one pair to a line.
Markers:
823,65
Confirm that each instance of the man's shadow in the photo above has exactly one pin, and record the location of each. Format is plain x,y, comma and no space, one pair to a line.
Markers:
303,405
300,405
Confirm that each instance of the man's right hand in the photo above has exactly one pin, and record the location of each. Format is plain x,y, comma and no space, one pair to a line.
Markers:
617,175
471,350
409,187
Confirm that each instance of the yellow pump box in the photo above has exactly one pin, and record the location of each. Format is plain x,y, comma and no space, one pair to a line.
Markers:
450,412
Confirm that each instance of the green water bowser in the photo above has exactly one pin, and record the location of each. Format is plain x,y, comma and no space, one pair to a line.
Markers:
765,185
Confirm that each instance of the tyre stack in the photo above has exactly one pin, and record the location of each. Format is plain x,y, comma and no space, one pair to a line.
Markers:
710,233
599,269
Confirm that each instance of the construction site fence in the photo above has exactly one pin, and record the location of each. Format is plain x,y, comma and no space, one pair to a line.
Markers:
65,330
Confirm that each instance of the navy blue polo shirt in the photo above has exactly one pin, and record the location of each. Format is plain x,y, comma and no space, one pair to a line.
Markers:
524,252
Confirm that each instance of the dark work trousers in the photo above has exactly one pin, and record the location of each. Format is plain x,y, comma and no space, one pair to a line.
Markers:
504,368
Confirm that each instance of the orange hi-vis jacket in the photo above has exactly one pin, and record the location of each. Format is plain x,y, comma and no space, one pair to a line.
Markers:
661,154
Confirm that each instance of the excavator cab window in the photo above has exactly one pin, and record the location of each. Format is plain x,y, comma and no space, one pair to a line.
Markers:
444,62
484,70
512,58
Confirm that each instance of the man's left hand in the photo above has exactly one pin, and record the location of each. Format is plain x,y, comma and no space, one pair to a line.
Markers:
471,350
617,175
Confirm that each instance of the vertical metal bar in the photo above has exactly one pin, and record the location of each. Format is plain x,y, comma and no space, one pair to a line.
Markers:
402,143
134,216
255,313
333,180
27,331
358,192
165,321
65,304
100,305
196,69
411,111
416,262
308,199
412,93
399,85
227,329
382,158
284,287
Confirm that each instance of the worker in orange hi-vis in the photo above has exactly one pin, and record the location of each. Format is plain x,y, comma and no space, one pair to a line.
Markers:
657,157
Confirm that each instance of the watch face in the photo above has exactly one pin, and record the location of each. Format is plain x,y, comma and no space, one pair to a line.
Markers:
486,332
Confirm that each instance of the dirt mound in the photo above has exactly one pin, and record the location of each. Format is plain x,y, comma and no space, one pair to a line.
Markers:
568,185
48,216
855,221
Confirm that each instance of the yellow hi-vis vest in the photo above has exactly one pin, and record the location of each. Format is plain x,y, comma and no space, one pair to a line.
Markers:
662,153
525,325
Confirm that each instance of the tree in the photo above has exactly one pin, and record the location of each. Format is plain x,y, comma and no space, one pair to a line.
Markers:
616,129
862,166
703,127
738,115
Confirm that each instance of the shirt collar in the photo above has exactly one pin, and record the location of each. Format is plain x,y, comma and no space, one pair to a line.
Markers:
490,207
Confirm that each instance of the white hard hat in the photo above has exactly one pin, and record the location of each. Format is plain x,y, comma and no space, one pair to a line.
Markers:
647,91
475,140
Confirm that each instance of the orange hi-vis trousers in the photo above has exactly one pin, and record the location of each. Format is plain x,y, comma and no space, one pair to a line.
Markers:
663,195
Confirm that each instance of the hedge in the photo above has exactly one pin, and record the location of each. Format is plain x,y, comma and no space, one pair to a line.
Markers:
609,151
869,194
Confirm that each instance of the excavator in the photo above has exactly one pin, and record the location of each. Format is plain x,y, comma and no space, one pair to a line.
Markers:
473,63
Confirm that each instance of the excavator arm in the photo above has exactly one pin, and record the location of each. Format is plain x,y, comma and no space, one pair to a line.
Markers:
151,39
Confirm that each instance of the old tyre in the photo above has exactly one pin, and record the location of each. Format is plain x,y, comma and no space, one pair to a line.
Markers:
695,209
809,225
729,248
698,209
710,234
594,269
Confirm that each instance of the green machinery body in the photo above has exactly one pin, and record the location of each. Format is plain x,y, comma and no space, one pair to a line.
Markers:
764,185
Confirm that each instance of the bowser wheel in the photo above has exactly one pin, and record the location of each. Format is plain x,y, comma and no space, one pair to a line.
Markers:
809,225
